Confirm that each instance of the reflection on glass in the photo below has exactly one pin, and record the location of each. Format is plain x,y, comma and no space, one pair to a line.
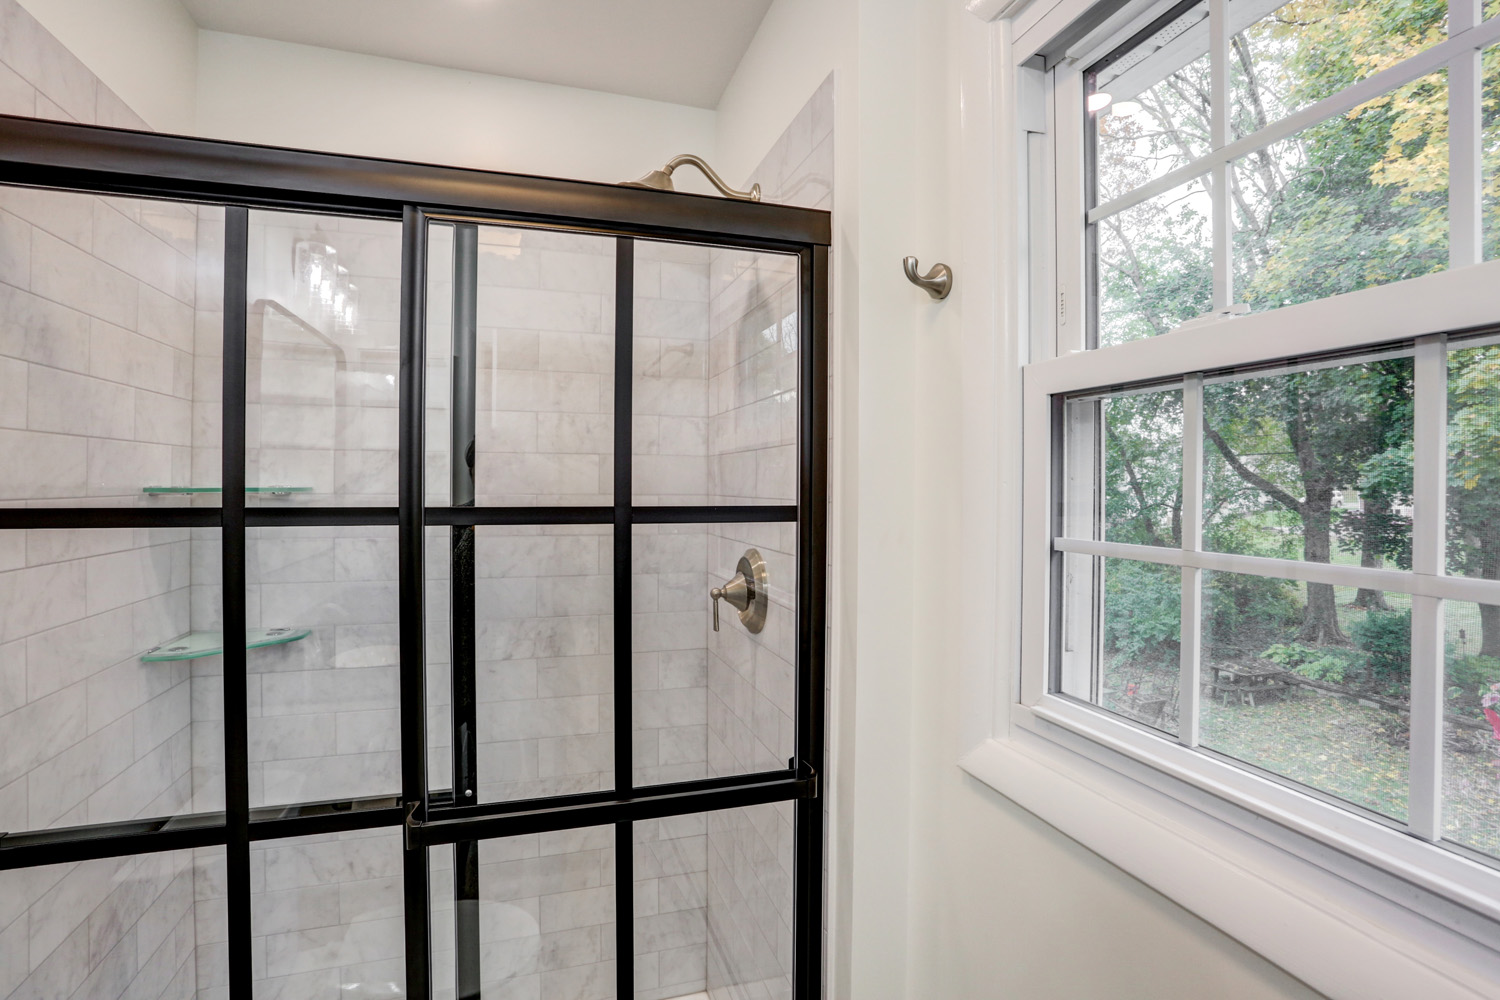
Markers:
715,384
327,916
714,904
1354,201
1474,461
325,721
1141,491
539,622
1471,726
147,927
89,732
1150,106
1141,651
545,911
543,352
1321,703
711,704
104,381
1313,465
1296,55
322,346
1134,669
1154,264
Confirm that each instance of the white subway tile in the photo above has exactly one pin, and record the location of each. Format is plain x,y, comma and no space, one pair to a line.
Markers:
64,403
71,277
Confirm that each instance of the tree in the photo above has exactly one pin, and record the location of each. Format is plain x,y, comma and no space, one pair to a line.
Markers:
1356,200
1474,475
1377,530
1143,468
1315,429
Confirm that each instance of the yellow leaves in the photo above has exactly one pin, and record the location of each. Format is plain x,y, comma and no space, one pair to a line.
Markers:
1416,160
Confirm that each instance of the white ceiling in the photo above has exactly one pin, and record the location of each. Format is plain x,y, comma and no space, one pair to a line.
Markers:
682,51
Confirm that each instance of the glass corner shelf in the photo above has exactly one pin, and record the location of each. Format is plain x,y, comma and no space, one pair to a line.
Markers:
192,645
275,491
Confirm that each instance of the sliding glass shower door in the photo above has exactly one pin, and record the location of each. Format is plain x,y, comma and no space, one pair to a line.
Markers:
487,565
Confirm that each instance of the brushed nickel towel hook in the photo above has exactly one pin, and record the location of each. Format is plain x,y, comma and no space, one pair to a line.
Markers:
937,282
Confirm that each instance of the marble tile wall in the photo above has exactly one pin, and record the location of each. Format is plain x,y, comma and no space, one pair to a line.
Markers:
112,928
321,382
751,682
326,918
97,299
321,414
546,915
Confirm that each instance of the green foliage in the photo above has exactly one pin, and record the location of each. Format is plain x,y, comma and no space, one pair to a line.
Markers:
1242,614
1319,663
1143,612
1386,637
1469,677
1355,200
1143,467
1474,465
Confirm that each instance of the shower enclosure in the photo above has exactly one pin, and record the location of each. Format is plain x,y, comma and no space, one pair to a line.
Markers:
358,527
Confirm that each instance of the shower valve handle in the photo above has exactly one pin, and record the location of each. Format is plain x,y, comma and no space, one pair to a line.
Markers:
737,592
745,592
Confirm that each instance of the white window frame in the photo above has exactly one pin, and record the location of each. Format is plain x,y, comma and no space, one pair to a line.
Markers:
1348,904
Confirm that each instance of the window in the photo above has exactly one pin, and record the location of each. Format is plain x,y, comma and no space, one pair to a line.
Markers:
1253,470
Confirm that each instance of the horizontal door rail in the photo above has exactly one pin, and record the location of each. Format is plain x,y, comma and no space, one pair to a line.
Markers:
435,832
30,518
118,161
477,822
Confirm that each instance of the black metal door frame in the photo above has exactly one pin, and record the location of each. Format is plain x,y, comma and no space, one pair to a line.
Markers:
238,177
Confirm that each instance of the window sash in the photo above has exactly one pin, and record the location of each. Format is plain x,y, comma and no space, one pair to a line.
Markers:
1419,311
1459,54
1426,582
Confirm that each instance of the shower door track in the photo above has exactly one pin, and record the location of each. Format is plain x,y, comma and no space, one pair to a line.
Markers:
238,177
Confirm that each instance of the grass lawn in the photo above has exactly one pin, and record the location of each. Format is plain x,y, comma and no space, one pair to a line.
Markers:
1360,754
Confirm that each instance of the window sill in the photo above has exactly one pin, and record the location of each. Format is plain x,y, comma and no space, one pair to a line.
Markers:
1325,917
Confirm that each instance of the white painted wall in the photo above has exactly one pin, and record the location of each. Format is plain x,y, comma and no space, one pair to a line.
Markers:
146,51
942,888
798,45
276,93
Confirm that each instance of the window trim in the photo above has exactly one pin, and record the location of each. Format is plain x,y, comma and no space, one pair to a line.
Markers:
1344,924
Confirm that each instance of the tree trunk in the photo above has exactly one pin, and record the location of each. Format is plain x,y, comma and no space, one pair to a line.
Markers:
1320,622
1489,614
1369,552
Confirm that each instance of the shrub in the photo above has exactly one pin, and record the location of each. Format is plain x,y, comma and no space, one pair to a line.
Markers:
1245,613
1314,662
1143,605
1386,636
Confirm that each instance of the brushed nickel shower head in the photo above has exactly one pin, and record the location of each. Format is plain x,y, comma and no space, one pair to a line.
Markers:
661,180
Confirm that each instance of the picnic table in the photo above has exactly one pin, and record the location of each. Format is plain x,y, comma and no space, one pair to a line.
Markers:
1244,684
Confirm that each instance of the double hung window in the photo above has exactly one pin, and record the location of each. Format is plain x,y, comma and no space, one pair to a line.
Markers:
1261,465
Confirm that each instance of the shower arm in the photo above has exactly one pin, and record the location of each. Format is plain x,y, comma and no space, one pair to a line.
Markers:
661,180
